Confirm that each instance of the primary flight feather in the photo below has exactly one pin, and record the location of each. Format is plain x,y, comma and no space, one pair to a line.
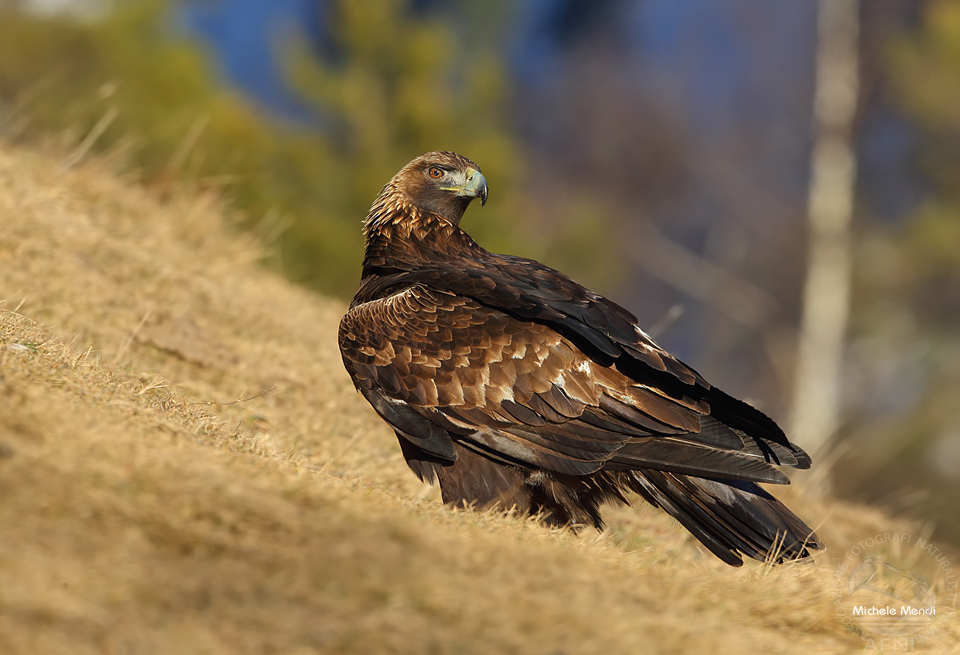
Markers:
514,386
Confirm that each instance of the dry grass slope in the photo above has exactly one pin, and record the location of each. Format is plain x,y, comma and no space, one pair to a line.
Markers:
139,516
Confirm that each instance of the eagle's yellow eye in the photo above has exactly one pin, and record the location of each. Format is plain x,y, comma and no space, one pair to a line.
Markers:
436,173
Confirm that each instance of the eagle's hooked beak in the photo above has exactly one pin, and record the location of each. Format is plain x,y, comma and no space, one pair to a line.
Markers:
476,186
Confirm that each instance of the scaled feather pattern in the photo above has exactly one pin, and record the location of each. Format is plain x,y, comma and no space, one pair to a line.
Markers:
515,387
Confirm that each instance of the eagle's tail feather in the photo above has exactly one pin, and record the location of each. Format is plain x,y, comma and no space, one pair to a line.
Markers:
729,517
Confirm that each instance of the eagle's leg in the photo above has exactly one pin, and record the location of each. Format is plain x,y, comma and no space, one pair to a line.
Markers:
474,480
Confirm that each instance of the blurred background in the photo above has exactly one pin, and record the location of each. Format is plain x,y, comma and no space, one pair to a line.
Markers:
659,152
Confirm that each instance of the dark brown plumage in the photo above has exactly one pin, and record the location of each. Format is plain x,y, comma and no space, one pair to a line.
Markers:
514,386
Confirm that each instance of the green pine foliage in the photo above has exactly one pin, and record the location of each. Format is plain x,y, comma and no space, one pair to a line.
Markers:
925,71
906,447
401,85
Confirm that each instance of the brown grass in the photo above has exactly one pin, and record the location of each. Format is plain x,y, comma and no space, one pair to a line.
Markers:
138,516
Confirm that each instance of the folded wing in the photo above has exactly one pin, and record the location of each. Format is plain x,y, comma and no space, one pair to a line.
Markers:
442,368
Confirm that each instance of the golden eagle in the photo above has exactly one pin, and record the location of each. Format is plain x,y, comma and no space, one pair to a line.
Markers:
514,386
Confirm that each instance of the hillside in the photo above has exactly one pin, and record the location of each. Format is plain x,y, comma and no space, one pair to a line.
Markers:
143,510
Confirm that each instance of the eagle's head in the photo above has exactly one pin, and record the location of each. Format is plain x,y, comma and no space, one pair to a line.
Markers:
439,182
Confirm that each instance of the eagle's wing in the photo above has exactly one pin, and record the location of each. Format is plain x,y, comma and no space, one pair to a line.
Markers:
605,334
440,367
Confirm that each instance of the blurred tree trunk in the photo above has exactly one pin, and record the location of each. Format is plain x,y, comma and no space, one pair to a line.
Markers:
826,294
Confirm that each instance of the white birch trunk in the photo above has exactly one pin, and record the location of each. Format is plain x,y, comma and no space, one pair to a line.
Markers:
826,295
